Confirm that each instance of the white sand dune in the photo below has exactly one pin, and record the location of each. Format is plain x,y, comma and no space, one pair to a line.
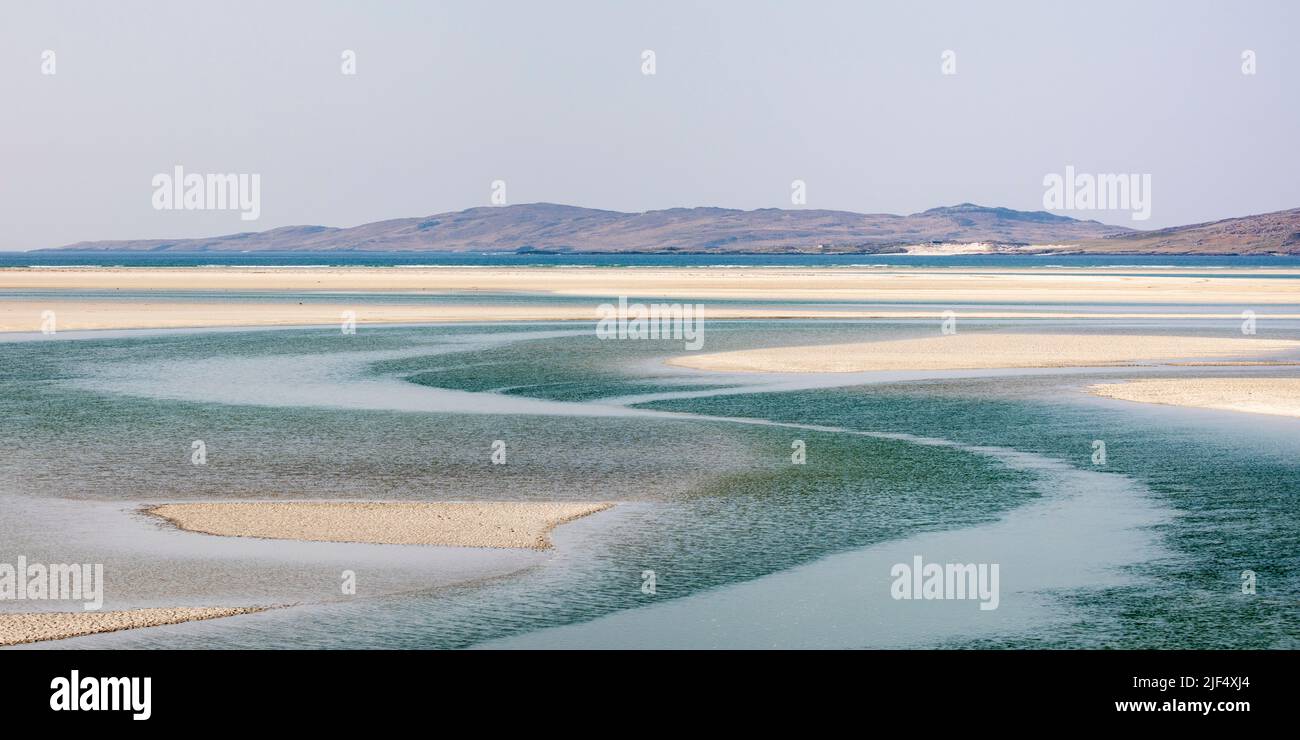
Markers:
1273,396
516,524
980,351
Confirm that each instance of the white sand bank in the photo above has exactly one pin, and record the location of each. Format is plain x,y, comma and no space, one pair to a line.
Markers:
978,351
458,524
18,629
1273,396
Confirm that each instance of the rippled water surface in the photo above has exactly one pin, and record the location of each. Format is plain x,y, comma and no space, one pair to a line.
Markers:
746,548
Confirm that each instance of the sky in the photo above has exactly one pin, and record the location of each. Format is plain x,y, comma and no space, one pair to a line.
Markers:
551,98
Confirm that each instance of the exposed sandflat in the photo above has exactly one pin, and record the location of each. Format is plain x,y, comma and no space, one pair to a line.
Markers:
772,283
17,629
24,315
936,286
458,524
979,351
1273,396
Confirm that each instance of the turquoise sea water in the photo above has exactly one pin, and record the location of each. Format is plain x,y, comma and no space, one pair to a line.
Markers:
747,549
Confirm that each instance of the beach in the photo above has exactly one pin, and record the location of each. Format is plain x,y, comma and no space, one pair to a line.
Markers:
952,285
87,299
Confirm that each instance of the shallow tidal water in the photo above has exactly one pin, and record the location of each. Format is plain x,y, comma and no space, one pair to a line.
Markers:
746,548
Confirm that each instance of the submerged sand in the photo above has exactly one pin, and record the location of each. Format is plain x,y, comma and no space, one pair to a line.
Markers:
1273,396
458,524
18,629
981,351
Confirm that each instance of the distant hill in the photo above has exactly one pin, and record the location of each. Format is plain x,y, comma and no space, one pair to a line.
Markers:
557,228
1266,233
545,227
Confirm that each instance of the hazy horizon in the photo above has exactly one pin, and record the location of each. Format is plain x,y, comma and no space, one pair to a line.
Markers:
745,99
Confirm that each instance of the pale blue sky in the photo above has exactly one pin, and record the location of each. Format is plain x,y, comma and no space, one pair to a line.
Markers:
549,97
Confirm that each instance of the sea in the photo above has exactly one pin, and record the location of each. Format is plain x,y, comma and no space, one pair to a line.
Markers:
722,536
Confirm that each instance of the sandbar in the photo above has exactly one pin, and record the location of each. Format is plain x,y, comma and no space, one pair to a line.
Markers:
980,351
1039,286
26,315
514,524
1273,396
18,629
